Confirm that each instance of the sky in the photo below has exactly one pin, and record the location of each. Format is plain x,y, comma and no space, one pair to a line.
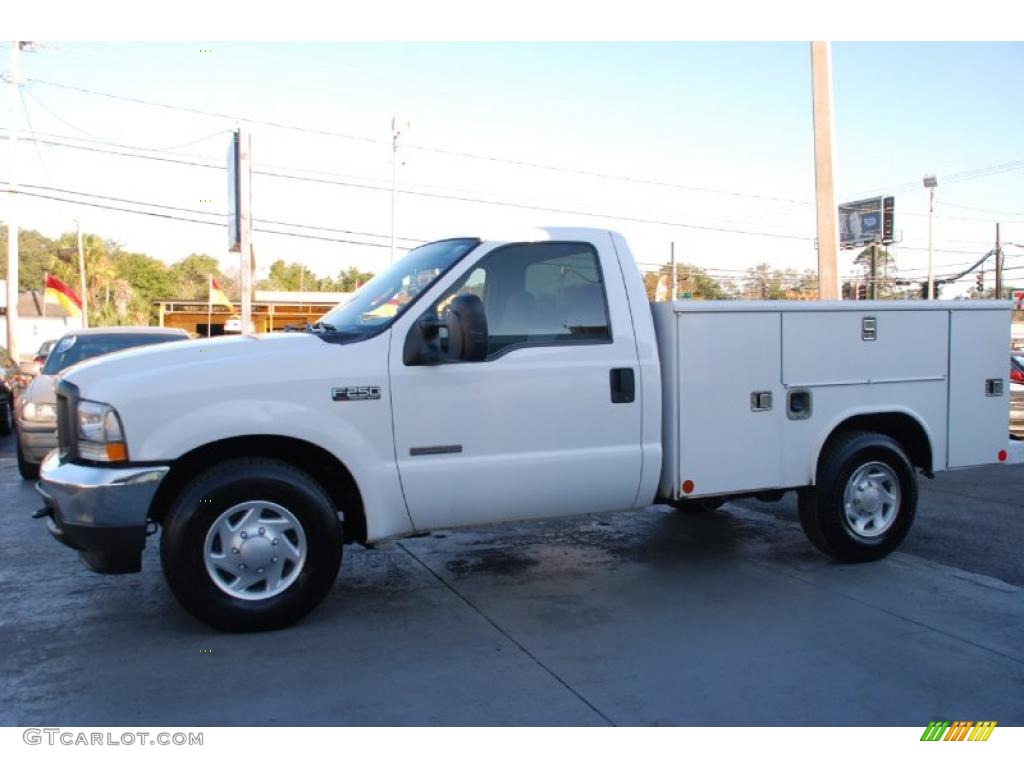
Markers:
723,129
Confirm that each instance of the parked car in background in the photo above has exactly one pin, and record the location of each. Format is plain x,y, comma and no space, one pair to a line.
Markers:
12,381
33,368
1017,393
36,414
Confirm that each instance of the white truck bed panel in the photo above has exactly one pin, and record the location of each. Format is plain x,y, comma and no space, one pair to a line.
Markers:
716,355
978,420
823,348
722,360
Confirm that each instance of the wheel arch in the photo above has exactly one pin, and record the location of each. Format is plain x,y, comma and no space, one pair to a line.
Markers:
902,425
325,468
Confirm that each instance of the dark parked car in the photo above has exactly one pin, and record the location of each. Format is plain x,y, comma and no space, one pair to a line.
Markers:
36,414
12,381
1017,393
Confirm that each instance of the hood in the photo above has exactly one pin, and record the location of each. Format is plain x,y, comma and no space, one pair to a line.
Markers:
190,363
40,390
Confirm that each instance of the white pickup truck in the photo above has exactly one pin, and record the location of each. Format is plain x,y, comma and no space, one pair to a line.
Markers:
477,381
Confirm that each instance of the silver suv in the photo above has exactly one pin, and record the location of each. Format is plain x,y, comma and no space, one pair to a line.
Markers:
36,413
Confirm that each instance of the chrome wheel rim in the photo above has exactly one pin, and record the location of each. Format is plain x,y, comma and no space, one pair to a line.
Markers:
255,550
871,500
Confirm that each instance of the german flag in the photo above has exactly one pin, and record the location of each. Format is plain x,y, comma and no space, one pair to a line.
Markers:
57,292
217,296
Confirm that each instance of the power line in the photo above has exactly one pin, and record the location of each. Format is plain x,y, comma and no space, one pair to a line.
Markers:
208,113
984,210
947,179
180,209
171,216
199,162
457,198
97,139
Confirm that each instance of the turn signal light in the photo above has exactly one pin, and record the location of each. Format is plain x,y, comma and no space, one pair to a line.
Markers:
116,452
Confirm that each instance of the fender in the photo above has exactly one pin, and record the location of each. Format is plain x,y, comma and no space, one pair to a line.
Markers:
872,410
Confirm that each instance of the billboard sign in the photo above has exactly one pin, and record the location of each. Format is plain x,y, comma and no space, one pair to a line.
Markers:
863,222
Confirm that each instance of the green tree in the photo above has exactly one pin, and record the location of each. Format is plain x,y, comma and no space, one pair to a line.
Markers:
146,279
689,279
36,255
762,282
190,277
349,280
885,271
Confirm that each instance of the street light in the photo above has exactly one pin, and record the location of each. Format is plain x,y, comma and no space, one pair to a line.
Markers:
930,183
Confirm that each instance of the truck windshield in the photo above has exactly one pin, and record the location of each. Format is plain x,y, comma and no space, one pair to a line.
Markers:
376,305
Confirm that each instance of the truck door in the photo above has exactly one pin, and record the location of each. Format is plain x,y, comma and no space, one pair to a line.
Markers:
548,424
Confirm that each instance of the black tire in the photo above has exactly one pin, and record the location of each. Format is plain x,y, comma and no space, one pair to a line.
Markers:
6,415
206,499
28,470
823,513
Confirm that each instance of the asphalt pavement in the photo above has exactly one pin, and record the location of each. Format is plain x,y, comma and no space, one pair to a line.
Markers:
639,618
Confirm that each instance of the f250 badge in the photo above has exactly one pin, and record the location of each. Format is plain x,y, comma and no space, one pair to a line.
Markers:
346,394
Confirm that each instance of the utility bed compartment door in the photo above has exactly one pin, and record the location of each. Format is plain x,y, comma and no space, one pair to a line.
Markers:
726,442
861,347
979,357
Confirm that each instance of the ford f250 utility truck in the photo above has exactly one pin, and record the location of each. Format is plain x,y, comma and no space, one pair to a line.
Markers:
477,381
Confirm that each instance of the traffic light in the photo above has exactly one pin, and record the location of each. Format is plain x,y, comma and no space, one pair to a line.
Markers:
981,280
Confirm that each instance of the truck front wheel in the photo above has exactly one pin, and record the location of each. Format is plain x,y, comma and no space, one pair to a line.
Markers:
864,501
251,544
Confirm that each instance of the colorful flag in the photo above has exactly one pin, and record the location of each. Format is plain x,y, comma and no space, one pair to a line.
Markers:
57,292
217,296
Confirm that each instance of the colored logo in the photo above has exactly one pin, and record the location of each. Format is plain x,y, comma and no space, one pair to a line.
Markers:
960,730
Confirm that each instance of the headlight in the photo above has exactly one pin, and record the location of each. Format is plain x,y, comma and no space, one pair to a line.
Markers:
39,412
100,435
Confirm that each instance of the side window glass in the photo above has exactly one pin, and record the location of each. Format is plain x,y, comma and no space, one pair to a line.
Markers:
536,294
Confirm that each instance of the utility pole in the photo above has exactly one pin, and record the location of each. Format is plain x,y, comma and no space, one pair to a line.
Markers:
245,226
999,266
675,281
874,271
12,199
930,183
81,275
395,133
828,245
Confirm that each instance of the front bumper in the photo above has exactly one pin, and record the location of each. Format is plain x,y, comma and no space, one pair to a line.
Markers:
36,442
100,511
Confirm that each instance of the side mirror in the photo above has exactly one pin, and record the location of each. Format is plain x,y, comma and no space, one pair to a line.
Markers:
423,344
467,329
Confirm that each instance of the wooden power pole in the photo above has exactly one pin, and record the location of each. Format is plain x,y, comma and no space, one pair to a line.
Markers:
999,266
245,226
12,208
828,245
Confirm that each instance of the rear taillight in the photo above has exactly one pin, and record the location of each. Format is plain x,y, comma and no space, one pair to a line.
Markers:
1017,376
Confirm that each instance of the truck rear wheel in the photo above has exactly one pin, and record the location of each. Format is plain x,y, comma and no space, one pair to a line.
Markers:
250,545
864,502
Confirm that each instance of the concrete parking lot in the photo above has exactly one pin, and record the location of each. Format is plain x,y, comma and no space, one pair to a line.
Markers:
642,618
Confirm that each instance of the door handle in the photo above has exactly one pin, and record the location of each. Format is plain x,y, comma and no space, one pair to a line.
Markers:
623,384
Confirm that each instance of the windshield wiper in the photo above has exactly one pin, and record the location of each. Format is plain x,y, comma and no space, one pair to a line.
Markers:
319,327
